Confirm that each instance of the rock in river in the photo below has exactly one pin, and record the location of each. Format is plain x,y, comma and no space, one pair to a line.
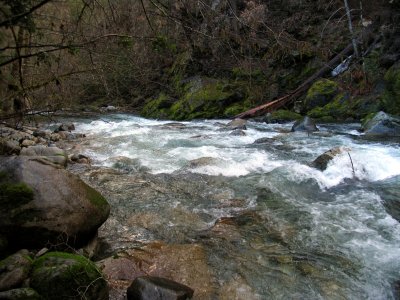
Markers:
42,204
306,124
382,124
321,162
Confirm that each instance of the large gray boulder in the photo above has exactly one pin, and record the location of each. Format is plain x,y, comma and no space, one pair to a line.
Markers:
382,124
51,154
41,204
321,162
306,124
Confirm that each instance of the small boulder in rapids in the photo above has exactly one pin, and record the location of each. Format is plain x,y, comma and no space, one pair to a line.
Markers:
42,204
306,124
321,162
382,124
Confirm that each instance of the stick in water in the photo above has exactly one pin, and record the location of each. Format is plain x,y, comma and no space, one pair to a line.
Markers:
352,165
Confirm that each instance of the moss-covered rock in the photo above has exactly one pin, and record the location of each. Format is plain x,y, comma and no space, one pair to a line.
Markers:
391,96
201,98
58,276
158,108
42,204
320,93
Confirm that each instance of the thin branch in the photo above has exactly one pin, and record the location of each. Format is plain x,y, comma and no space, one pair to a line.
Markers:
15,18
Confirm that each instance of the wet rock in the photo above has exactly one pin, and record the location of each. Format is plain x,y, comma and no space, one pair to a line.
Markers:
382,124
238,289
14,270
42,133
173,125
44,204
55,137
120,268
52,154
20,294
58,275
184,263
306,124
201,162
238,132
9,147
127,164
79,158
264,140
66,127
237,124
158,288
321,162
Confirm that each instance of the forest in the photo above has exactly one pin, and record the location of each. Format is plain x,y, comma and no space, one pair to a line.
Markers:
227,56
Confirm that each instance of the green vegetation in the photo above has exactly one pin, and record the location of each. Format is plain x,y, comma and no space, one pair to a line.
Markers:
391,96
321,93
284,115
59,275
14,194
95,197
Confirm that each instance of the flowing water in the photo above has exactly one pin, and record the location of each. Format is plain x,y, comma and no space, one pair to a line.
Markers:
261,212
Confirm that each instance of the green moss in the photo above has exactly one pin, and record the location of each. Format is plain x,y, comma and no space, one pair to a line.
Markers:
207,101
321,93
59,275
96,198
391,96
157,108
284,115
15,194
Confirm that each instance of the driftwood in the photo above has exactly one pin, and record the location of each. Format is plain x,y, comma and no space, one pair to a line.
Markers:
271,106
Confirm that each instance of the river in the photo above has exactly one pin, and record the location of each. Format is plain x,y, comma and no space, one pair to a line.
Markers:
260,211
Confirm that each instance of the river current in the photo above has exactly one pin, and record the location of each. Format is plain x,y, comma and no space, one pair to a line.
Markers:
260,211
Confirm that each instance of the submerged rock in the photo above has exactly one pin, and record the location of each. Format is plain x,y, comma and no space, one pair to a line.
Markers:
47,205
58,275
321,162
382,124
238,132
306,124
158,288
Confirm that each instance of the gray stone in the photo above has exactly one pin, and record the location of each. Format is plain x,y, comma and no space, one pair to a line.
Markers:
53,206
52,154
158,288
237,124
238,132
306,124
8,147
382,124
28,143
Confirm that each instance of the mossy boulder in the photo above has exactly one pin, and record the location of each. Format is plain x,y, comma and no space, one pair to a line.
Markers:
382,124
58,276
158,108
391,96
201,98
320,93
42,204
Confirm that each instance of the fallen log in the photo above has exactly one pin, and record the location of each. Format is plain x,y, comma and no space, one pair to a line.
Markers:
271,106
